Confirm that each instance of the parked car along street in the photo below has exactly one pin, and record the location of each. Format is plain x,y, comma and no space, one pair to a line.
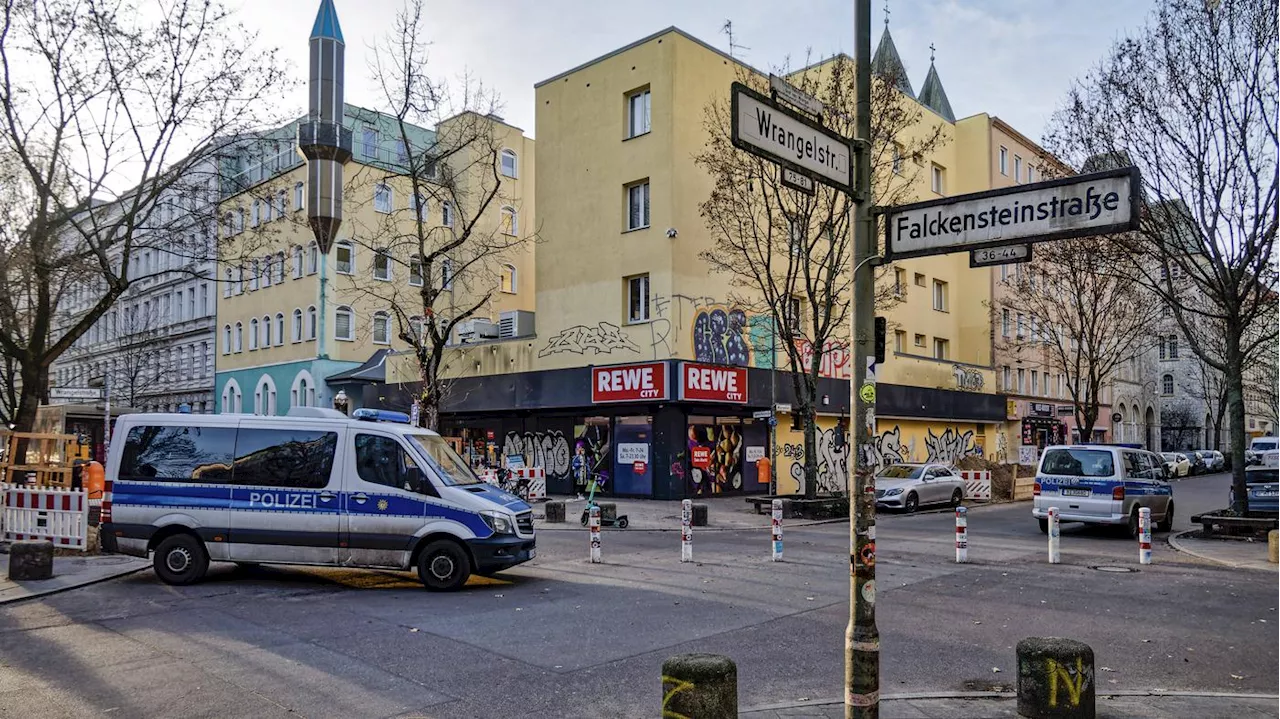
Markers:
1258,446
1214,461
1098,484
910,486
1176,464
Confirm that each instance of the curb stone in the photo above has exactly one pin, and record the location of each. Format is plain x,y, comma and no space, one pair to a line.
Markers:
1180,547
912,696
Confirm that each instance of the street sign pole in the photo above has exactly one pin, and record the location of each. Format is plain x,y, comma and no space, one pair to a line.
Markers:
862,639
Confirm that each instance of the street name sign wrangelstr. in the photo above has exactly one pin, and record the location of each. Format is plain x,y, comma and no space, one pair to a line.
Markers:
1085,205
89,393
763,127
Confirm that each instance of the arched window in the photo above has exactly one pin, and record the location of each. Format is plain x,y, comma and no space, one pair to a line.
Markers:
297,197
313,257
226,339
344,324
279,339
279,268
239,219
418,328
264,397
344,258
446,214
303,392
297,261
255,268
239,284
382,200
508,279
509,164
1166,385
510,224
228,283
1173,347
253,334
382,265
311,322
239,338
266,272
231,398
446,274
297,325
418,204
228,224
381,328
255,214
415,271
266,332
1163,348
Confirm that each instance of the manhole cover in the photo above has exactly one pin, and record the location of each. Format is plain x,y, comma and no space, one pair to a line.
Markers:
1113,569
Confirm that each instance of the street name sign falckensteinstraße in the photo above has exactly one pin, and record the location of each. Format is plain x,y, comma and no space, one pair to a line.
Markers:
762,127
1081,206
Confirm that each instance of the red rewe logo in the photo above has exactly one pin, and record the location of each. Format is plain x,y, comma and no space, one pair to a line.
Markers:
711,383
629,383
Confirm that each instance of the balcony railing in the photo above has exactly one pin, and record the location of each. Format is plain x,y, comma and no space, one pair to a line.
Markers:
324,134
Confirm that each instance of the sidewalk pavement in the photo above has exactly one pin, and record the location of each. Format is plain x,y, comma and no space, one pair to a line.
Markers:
68,573
991,705
1234,553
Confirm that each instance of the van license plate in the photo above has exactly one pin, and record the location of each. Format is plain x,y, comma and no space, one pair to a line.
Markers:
1076,492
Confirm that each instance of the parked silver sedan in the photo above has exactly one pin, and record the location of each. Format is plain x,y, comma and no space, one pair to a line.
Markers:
910,486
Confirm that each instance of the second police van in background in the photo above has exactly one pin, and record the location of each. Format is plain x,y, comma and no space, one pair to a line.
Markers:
313,487
1101,484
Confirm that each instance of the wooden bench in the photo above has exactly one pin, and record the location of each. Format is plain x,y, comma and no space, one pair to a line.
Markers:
1234,525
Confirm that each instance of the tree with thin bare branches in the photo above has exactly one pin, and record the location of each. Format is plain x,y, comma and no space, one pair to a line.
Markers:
111,114
789,254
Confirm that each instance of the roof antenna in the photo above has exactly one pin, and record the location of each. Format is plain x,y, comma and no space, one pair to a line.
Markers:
727,29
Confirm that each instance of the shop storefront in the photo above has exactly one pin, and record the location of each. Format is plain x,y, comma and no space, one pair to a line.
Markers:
1041,427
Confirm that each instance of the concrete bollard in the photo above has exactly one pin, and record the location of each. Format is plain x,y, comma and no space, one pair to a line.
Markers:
686,531
593,524
1144,536
701,686
30,559
699,514
1273,547
962,535
1055,556
776,515
555,512
1055,679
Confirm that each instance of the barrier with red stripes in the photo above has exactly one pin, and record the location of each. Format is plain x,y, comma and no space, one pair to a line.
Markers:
537,477
977,484
58,515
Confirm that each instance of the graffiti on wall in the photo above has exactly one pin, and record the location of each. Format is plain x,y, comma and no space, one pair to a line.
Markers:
718,330
549,450
966,378
604,338
718,336
836,358
888,448
833,462
951,447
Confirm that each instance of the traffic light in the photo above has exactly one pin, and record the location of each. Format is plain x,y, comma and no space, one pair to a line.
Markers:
881,330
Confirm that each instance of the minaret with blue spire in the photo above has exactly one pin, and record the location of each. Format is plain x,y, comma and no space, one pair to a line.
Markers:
323,139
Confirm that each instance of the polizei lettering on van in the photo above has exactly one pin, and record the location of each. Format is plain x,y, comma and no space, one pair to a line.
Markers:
282,500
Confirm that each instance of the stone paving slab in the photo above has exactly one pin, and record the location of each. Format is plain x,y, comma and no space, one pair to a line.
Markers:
68,573
993,706
1235,553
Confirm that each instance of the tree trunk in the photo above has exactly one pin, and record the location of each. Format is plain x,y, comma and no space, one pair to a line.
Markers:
810,424
1235,410
35,380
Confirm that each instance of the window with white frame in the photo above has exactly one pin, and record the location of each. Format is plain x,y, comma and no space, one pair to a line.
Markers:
638,205
313,257
344,324
382,265
278,338
239,338
266,332
1004,160
446,214
1006,374
311,322
266,272
282,198
226,339
369,142
638,298
937,179
940,295
418,204
297,262
510,223
1031,173
941,348
297,197
253,334
508,283
1005,322
239,220
296,334
638,113
344,258
415,271
446,274
381,328
897,159
1017,168
382,198
255,269
279,268
793,315
509,163
256,213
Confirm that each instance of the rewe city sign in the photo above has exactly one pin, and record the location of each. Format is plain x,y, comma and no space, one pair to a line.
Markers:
712,383
644,382
1096,204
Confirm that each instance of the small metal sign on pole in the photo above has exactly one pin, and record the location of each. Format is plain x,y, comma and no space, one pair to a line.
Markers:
796,97
1006,255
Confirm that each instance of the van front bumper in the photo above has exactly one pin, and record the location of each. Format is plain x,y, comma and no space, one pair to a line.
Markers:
501,552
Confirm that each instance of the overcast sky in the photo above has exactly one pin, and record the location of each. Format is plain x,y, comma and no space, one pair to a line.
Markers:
1011,58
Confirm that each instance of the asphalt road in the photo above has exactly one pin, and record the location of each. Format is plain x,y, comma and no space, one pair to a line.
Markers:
563,638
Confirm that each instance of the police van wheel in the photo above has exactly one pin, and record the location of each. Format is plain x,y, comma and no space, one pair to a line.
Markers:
1044,526
180,559
1166,524
1132,528
443,566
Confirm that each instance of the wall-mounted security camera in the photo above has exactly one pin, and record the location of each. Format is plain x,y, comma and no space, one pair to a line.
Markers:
671,232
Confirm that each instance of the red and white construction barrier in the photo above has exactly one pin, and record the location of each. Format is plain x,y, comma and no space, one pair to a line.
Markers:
58,515
977,484
537,477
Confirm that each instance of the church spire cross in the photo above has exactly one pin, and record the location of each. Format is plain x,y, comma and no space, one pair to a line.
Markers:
932,51
886,13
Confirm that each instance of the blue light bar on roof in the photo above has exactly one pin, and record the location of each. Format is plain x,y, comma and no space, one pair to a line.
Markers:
380,415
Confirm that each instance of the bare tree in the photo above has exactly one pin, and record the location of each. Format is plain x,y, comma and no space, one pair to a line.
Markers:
1178,426
790,253
1080,317
107,111
1191,99
460,225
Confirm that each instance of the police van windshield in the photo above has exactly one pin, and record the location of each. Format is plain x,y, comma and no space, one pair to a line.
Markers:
451,468
1078,463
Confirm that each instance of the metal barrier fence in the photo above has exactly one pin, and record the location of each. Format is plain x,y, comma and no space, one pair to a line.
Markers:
58,515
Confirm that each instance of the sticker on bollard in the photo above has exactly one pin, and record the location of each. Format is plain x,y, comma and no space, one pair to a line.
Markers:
686,531
1055,556
962,535
593,524
1144,536
777,530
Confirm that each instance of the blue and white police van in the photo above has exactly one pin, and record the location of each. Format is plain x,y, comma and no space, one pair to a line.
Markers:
1102,484
313,487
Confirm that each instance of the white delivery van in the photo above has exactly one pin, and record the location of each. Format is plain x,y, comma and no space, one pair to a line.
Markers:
314,487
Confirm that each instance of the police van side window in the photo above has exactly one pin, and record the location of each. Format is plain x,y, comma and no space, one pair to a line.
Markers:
382,460
178,454
284,457
1133,464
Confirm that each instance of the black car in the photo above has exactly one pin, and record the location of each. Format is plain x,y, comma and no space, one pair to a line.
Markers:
1198,464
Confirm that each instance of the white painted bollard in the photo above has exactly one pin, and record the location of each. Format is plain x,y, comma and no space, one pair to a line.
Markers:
1054,555
1144,536
686,530
962,535
777,530
593,524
